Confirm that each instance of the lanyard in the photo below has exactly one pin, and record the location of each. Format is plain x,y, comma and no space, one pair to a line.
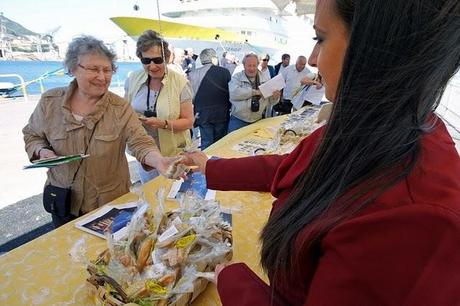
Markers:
256,83
148,96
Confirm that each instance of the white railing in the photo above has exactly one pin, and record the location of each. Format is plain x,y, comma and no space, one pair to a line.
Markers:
21,80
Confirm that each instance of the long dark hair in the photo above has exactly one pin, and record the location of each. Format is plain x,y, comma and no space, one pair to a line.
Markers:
401,55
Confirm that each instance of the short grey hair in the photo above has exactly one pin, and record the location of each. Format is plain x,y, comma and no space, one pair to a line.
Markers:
250,55
150,39
83,45
207,55
264,55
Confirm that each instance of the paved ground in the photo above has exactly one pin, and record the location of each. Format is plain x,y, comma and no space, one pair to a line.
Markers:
26,220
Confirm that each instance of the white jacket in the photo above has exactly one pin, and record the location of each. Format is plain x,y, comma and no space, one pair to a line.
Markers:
240,90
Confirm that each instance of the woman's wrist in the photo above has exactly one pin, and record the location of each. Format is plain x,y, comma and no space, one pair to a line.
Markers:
152,159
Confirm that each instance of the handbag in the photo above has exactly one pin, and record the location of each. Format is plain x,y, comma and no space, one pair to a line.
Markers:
57,200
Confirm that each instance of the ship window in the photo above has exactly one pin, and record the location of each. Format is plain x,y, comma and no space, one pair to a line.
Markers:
243,32
249,33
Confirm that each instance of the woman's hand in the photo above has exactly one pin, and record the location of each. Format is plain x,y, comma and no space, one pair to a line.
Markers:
153,122
198,159
219,269
46,153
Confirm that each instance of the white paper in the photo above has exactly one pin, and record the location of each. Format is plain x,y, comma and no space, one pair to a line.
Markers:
310,94
171,231
314,95
174,189
267,88
210,195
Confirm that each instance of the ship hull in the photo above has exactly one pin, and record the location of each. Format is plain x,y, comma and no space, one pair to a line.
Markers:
184,36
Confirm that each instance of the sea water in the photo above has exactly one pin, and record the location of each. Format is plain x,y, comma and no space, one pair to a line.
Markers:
33,70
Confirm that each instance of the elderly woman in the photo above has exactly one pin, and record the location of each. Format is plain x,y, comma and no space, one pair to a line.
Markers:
162,97
265,69
86,117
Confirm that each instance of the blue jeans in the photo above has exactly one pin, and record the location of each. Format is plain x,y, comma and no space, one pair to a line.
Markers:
212,132
235,124
146,175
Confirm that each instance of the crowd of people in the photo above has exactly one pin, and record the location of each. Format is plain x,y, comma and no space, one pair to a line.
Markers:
367,208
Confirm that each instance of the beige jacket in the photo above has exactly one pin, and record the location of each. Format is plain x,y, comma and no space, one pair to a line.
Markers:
168,108
104,175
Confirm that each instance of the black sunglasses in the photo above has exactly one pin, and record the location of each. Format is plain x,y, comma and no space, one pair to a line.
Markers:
155,60
265,60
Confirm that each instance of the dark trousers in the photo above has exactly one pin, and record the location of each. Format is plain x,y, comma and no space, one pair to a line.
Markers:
212,132
235,124
283,107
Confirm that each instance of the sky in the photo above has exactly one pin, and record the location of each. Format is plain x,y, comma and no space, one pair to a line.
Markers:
75,17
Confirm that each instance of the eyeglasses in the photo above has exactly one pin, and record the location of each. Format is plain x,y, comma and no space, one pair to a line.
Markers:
155,60
95,70
265,60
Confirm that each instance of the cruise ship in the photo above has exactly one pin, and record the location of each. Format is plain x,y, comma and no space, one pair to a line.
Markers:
239,27
233,26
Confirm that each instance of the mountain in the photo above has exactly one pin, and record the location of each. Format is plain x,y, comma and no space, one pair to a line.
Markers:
13,28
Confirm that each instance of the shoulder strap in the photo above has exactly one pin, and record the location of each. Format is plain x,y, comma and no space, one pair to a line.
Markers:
86,150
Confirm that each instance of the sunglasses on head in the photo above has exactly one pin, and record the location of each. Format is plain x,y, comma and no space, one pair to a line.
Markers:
155,60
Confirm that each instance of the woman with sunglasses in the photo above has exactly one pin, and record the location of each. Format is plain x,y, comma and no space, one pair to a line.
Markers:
162,97
265,69
368,207
86,117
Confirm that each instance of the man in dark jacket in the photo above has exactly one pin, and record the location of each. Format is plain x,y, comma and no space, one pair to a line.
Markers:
211,98
285,59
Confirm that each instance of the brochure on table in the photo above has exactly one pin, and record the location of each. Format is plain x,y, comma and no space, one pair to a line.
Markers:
195,182
99,222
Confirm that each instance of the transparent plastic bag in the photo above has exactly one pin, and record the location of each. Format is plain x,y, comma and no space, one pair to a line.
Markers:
78,251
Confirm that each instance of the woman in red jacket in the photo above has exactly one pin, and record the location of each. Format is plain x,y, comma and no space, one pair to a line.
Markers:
368,207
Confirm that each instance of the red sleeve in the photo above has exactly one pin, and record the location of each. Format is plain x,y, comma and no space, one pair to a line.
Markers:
402,256
253,173
275,173
239,285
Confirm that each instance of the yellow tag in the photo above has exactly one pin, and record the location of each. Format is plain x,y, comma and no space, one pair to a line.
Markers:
108,288
101,269
154,287
185,241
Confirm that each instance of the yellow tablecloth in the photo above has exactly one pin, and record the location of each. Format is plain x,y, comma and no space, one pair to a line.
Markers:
42,272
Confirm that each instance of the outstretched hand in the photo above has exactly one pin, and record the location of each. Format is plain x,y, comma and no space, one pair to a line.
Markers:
164,163
219,269
196,159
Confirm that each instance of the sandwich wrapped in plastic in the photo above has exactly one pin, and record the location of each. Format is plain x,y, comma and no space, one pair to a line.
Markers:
165,257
